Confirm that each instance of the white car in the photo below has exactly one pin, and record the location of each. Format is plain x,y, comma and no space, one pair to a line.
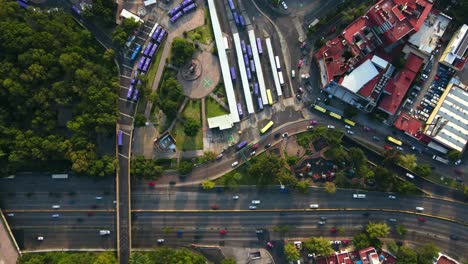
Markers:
321,222
55,216
392,220
310,127
458,162
293,74
285,135
98,197
350,132
314,206
399,148
40,238
253,153
10,214
104,232
252,207
160,240
419,208
347,127
330,126
235,197
55,206
359,196
235,163
285,6
256,202
393,197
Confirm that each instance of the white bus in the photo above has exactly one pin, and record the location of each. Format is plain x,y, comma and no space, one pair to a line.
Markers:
59,176
280,76
278,65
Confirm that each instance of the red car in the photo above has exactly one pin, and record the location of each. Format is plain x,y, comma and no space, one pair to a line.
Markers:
387,147
269,244
367,129
333,29
299,64
422,219
333,230
222,232
151,184
255,147
215,207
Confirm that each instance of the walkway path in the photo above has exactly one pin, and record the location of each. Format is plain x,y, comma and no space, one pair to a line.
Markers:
221,102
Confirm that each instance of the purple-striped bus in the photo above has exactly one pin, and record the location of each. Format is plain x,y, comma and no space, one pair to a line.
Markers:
161,35
259,46
156,32
119,138
239,109
186,2
236,17
147,63
135,96
141,63
176,17
75,9
260,103
249,51
242,20
233,74
175,10
244,50
249,74
189,8
252,65
130,91
246,60
242,145
256,88
148,49
231,4
133,80
153,50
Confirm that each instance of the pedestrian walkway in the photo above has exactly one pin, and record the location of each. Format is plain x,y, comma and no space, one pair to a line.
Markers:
219,101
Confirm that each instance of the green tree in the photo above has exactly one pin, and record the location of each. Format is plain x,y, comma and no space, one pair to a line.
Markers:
145,168
361,241
140,120
291,252
423,170
401,230
182,51
105,258
406,188
228,261
392,247
185,167
384,178
191,127
139,258
266,168
330,187
209,156
391,156
318,245
406,255
208,185
427,253
453,155
109,55
377,230
303,186
231,180
408,161
465,190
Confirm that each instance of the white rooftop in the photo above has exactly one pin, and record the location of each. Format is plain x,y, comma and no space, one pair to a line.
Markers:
127,14
457,46
360,76
149,2
222,122
381,63
427,37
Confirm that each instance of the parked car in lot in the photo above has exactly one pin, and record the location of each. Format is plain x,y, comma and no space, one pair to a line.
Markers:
330,126
285,6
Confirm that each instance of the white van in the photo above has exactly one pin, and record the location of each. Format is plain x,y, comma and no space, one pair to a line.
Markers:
293,74
314,206
104,232
419,208
55,206
359,196
409,175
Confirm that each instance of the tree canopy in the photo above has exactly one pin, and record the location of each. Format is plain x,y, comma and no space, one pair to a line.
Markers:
377,230
182,51
318,245
145,168
68,258
58,94
266,168
291,252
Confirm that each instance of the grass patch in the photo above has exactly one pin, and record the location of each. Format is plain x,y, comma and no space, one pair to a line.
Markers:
446,181
185,142
193,110
204,33
213,108
167,163
220,91
245,178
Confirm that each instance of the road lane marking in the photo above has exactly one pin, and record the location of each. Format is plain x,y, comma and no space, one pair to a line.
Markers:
126,100
124,76
126,66
129,116
123,87
126,133
58,210
120,154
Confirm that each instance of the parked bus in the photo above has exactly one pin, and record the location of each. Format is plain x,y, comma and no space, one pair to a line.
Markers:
440,159
175,10
135,96
24,5
249,74
186,3
141,63
270,98
156,33
233,74
129,92
175,18
252,65
161,35
280,76
239,109
246,60
249,51
394,141
146,66
349,122
242,20
189,8
242,145
153,50
260,103
335,115
236,17
231,4
148,49
319,108
74,8
119,138
265,128
278,65
255,88
259,46
244,50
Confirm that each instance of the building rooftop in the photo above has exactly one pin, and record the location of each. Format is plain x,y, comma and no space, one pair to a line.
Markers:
457,48
355,80
448,123
397,87
410,125
428,36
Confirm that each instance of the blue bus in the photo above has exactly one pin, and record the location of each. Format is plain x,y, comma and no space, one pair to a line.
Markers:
175,18
129,92
175,10
249,74
242,20
260,103
189,8
236,18
242,145
156,33
135,96
233,74
252,65
141,63
244,50
135,52
231,4
246,60
239,109
259,46
119,139
187,2
153,50
161,35
249,51
256,89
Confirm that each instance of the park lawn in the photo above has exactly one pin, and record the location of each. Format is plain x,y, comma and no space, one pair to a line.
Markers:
213,108
184,142
204,33
193,110
245,179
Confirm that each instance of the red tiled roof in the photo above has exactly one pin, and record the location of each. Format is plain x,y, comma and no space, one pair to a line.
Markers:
343,258
445,260
367,89
408,124
414,62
